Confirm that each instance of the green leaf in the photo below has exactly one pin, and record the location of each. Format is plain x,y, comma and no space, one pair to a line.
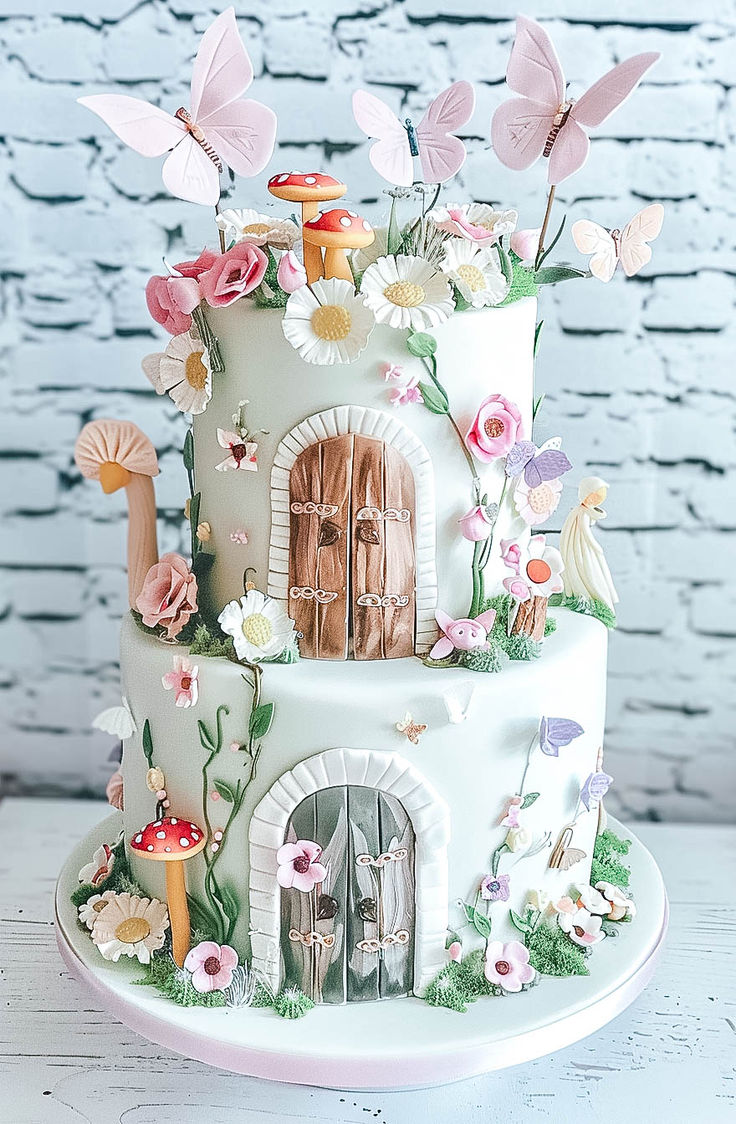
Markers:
551,274
478,920
519,923
421,344
148,743
496,857
205,737
188,451
202,563
225,792
505,262
260,721
537,334
434,400
553,243
528,800
230,903
461,305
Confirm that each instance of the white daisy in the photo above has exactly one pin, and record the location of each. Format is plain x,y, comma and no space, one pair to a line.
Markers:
407,292
327,322
89,910
261,230
184,371
130,926
258,625
476,270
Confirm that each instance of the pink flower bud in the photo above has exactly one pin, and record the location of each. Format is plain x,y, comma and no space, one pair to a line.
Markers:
525,243
455,952
291,274
475,524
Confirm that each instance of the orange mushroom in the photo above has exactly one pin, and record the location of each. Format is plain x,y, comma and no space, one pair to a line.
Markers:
310,189
118,455
172,841
337,231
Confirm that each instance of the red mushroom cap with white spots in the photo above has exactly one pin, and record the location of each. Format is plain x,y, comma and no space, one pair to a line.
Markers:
338,228
299,187
167,839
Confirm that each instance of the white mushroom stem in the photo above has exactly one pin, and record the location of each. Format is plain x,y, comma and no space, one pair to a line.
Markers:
312,254
142,540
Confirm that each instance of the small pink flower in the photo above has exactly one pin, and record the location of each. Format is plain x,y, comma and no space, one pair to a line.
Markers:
211,966
242,454
496,888
525,243
199,266
475,524
496,429
511,554
392,371
455,952
184,679
403,395
298,865
565,905
233,275
239,537
291,274
511,814
507,965
171,301
114,791
453,219
536,504
169,595
581,926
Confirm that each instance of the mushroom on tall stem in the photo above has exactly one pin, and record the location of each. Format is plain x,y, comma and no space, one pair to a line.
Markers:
310,189
172,841
119,455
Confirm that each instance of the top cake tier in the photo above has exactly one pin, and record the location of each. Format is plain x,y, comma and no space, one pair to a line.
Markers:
350,505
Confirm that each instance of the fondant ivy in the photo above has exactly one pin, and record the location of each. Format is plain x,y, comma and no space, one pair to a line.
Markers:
590,607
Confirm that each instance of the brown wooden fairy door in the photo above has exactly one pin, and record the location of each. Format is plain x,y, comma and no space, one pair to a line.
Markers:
351,938
352,570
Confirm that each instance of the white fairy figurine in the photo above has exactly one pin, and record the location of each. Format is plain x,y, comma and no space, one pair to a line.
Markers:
586,572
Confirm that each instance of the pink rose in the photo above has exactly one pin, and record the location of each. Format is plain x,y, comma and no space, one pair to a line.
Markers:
496,429
233,274
171,300
475,524
169,595
194,268
291,274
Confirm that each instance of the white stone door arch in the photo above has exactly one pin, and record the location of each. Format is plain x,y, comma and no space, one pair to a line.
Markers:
389,773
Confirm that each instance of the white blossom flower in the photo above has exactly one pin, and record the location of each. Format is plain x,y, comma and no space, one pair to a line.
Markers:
327,322
183,370
476,271
407,292
89,910
582,927
130,926
617,905
260,628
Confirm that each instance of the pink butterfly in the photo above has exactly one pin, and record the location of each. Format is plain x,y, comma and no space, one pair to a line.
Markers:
628,246
543,121
441,154
220,127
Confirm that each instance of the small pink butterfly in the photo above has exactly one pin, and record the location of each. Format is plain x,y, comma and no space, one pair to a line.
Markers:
628,246
413,730
543,121
219,127
441,154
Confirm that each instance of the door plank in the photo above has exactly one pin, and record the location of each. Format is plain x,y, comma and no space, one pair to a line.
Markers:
396,972
399,554
368,547
304,486
363,838
331,832
334,552
295,907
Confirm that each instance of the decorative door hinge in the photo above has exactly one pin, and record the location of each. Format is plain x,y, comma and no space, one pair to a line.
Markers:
311,507
306,593
387,857
399,514
325,940
377,944
376,601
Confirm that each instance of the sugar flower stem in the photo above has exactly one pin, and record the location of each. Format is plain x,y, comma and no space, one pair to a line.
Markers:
431,365
545,224
532,743
209,339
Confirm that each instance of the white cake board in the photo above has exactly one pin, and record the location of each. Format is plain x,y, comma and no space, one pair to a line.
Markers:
393,1044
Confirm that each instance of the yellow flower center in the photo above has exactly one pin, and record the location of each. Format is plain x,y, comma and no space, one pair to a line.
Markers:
195,370
331,322
257,630
487,224
132,930
256,228
99,906
405,294
541,499
472,277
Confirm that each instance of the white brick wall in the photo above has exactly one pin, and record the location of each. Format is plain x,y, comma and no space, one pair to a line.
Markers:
639,376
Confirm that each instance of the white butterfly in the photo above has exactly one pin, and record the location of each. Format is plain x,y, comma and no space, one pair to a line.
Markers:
629,246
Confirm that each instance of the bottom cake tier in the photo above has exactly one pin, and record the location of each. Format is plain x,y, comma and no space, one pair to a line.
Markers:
354,820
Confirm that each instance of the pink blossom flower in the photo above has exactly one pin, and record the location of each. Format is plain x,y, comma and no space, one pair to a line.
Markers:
525,243
507,965
242,454
476,525
392,371
455,952
511,814
171,301
458,219
496,888
536,504
291,274
496,429
299,866
199,266
403,395
233,275
511,554
169,595
539,573
582,927
184,679
211,966
114,790
100,868
239,537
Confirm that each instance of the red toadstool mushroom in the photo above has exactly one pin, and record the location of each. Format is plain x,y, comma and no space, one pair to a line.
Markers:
337,231
173,841
309,189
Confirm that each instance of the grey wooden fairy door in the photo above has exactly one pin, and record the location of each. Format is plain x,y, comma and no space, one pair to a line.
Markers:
352,558
351,938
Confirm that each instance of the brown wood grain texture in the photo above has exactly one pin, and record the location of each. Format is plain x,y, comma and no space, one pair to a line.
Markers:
530,618
399,556
368,548
304,485
334,554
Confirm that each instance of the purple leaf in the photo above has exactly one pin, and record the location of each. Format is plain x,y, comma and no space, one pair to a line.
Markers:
519,456
594,789
547,466
557,732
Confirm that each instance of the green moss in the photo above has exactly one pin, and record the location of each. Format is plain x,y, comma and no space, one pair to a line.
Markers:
606,865
207,643
589,607
491,660
515,647
292,1003
522,282
552,952
447,989
550,626
175,983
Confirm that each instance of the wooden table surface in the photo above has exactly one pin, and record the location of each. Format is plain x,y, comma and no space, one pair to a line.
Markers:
671,1057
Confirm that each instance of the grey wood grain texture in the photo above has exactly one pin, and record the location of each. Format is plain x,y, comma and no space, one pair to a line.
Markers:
669,1057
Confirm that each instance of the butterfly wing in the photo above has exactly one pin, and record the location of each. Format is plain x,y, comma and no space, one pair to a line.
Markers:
391,155
534,69
244,133
222,69
643,228
441,154
547,465
145,128
569,151
570,857
590,238
519,129
612,90
189,174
